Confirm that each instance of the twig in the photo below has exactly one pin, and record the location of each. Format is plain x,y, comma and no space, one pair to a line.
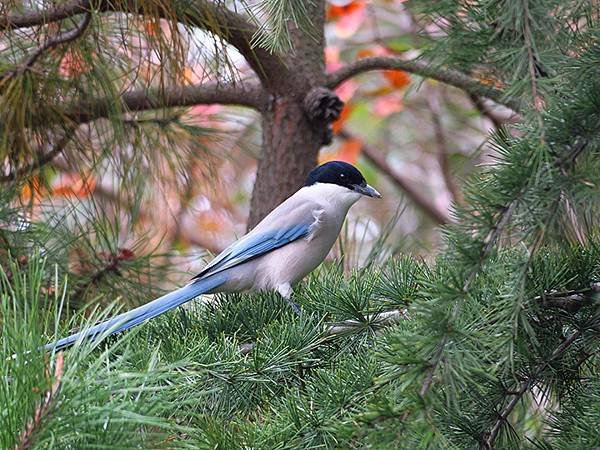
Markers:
442,147
378,160
25,439
425,69
570,301
64,38
34,18
376,320
537,100
41,160
385,318
495,118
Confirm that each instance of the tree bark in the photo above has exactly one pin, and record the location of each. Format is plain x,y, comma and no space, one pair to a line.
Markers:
291,140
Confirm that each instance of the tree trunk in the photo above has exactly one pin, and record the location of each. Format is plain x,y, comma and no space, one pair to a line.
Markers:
289,151
291,138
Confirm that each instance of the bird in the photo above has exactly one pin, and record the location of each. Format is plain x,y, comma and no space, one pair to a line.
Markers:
288,244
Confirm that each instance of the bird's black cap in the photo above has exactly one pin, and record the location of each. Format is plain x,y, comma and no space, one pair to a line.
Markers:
336,172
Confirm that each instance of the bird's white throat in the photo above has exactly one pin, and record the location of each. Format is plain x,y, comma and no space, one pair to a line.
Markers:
331,195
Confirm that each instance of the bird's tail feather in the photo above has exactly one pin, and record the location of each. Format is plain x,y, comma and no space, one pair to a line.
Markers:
143,313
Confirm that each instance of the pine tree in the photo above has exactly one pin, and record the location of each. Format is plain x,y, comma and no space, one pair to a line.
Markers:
494,344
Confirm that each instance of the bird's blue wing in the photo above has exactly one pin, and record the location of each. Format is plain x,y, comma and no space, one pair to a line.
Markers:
254,245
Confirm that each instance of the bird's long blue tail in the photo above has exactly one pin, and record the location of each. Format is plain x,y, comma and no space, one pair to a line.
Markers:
143,313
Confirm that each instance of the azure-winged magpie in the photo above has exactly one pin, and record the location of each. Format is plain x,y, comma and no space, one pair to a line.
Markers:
284,247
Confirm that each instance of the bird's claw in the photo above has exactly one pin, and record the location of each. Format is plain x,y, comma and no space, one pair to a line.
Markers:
295,307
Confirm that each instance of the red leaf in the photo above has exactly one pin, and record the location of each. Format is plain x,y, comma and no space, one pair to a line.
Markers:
344,115
397,78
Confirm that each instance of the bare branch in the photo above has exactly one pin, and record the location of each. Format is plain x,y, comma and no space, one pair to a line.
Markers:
442,147
378,159
251,95
34,18
426,70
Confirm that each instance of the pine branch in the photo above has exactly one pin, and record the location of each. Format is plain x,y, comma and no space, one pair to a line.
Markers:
63,38
42,411
212,17
490,240
378,159
251,95
385,318
490,437
376,320
570,301
41,160
426,70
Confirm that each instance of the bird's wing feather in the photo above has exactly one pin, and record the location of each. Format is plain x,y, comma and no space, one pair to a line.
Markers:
292,224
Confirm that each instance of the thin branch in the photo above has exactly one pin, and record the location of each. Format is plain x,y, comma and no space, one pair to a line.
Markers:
378,159
570,301
64,38
488,112
33,18
41,160
442,147
42,411
425,69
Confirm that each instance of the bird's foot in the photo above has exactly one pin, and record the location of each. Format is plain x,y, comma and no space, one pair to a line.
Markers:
295,307
285,290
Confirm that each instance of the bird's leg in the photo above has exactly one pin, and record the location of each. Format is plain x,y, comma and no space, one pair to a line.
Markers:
285,290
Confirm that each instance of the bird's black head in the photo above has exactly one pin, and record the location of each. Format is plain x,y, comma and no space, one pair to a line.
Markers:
342,174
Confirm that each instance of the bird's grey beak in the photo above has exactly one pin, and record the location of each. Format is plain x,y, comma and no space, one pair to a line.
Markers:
367,190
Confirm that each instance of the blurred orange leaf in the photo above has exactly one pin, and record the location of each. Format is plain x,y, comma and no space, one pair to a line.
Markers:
348,151
335,12
397,78
376,50
73,185
72,64
32,191
344,115
348,18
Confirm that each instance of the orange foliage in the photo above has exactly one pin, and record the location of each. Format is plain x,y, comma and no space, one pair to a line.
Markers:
32,191
348,151
397,78
388,104
73,185
335,12
344,115
72,64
